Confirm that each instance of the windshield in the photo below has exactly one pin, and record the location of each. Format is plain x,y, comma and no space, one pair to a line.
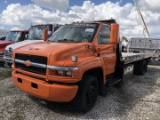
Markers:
74,33
35,32
14,36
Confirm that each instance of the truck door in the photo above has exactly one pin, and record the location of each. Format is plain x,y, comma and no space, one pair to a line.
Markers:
107,51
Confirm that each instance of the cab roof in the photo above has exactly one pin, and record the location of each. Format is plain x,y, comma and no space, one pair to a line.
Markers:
19,31
109,21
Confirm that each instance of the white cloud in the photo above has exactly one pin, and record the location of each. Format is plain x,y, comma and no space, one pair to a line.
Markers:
23,16
148,5
53,4
3,32
126,16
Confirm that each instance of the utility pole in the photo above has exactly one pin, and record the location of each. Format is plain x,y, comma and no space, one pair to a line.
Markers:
143,22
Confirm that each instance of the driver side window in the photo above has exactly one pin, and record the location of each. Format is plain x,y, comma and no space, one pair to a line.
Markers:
104,35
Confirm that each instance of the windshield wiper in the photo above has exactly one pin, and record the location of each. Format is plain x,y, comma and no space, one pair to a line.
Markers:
61,40
65,40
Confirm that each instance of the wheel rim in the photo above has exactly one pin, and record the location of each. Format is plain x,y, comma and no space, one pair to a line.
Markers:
91,95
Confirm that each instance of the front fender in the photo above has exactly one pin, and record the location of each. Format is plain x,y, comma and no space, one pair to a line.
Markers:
88,65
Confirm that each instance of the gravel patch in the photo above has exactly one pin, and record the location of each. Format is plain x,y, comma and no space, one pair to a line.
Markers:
137,98
4,72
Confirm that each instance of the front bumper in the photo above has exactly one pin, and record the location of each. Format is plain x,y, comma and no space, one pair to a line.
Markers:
43,89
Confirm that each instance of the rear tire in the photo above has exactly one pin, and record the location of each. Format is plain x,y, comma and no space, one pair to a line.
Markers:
140,68
87,93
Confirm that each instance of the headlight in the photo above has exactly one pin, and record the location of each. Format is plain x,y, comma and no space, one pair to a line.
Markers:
61,73
69,73
5,52
64,73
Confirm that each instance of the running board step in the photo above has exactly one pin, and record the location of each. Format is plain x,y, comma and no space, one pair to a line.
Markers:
113,81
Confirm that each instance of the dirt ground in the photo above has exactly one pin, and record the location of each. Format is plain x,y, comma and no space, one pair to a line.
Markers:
137,99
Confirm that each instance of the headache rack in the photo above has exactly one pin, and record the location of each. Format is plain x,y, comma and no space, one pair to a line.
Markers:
109,21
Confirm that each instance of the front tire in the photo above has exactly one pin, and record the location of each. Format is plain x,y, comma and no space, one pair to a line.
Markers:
87,93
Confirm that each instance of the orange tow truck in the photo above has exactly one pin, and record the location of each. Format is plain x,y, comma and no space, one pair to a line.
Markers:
75,64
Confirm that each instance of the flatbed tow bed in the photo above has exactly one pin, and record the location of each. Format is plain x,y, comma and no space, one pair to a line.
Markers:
134,57
147,45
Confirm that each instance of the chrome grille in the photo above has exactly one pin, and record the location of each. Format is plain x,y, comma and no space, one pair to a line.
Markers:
33,59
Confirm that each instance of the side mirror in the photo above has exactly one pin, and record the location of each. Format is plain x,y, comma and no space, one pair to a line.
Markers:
114,34
45,34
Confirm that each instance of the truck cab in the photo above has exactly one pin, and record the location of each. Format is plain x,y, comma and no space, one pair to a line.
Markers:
35,35
12,37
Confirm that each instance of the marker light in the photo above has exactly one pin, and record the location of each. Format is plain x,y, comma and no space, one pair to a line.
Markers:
69,73
74,58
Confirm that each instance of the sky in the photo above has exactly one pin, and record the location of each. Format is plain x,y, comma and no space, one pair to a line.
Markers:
20,14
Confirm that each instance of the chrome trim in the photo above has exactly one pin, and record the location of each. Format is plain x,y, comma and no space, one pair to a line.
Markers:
32,63
8,58
47,66
19,61
62,68
38,65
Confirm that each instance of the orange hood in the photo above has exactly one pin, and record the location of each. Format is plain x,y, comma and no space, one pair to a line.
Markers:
58,53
